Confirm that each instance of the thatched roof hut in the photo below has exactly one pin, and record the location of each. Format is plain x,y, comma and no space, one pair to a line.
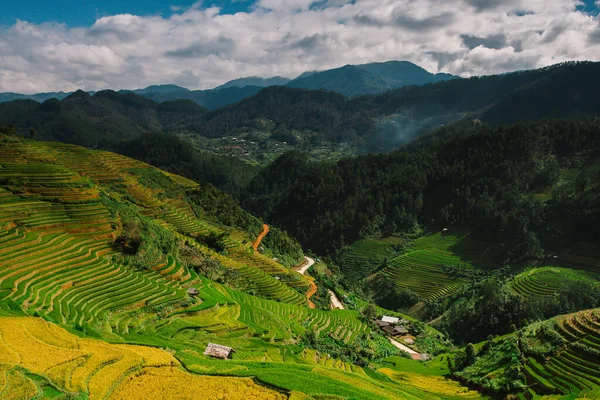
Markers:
193,292
218,351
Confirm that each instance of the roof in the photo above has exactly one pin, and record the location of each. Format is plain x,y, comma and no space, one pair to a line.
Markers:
219,351
193,291
400,330
392,320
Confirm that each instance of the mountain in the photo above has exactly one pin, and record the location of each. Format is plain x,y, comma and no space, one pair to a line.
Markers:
324,114
355,80
209,99
160,89
255,81
349,81
101,119
404,73
39,97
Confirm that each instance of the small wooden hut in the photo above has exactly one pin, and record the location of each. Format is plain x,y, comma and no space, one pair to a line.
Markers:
193,292
218,351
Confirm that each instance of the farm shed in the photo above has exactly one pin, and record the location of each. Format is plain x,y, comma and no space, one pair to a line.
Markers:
193,292
391,320
218,351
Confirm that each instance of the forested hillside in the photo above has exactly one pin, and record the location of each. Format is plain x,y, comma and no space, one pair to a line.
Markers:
100,120
467,174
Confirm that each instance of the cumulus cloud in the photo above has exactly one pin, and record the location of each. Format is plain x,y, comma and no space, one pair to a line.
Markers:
199,47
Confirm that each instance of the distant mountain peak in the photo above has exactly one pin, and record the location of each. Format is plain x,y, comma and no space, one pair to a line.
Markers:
372,78
255,81
166,88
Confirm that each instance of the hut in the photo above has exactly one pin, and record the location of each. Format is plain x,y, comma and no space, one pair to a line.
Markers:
391,320
193,292
218,351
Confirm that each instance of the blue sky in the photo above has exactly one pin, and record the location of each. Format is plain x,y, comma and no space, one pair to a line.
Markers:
84,13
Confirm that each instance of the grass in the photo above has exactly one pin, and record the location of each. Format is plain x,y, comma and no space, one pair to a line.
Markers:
438,264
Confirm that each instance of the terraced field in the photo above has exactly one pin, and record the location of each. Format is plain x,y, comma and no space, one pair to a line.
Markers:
61,209
575,371
365,256
547,281
102,370
431,267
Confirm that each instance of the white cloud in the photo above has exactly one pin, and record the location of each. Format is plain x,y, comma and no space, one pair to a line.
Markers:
200,48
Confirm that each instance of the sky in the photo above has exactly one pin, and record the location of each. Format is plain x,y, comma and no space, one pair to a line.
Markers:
114,44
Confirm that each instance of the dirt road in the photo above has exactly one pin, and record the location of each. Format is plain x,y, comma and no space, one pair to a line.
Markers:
413,354
308,262
260,237
335,302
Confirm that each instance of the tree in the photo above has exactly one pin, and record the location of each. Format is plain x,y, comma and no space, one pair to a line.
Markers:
130,240
369,312
471,352
210,268
32,133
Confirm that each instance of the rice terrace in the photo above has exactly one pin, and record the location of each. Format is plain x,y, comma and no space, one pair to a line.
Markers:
300,200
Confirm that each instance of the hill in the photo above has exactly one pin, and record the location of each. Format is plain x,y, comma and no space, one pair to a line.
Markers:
210,99
160,89
254,81
463,174
555,358
107,247
98,120
355,80
39,97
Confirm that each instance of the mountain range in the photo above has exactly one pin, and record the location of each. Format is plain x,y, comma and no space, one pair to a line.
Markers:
350,80
370,122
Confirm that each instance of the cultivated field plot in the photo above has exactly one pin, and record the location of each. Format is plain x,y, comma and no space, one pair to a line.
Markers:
432,267
365,256
575,371
546,281
102,370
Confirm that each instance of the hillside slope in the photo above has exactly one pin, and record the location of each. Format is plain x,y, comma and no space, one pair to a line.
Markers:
108,247
98,120
557,358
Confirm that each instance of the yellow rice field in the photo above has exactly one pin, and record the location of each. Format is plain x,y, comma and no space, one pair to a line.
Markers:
433,384
173,383
103,370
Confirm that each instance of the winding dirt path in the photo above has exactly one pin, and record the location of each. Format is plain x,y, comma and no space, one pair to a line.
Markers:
308,262
260,237
413,354
335,302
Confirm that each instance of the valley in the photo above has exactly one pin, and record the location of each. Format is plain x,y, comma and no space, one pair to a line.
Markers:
419,243
67,260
